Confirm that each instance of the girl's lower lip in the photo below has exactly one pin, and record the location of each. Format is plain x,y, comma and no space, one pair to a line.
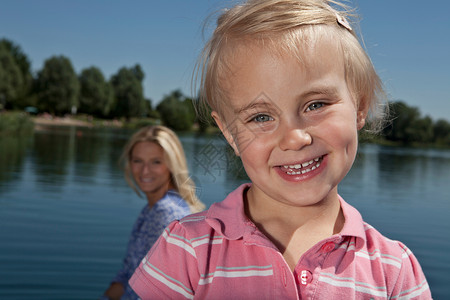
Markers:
305,176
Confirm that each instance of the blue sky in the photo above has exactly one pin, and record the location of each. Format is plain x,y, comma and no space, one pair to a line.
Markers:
408,41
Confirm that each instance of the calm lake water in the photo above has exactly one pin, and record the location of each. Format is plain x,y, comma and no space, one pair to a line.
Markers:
66,211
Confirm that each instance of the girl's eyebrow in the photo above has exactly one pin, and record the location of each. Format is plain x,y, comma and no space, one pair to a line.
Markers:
252,105
320,90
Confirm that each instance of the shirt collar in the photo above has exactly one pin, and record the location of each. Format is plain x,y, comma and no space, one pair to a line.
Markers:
354,225
228,218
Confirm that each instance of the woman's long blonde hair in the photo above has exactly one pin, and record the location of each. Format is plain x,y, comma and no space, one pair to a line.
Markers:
175,160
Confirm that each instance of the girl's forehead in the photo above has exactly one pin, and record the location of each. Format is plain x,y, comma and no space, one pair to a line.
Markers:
299,44
305,54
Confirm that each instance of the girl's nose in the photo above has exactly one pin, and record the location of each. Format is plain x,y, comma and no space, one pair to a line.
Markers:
295,139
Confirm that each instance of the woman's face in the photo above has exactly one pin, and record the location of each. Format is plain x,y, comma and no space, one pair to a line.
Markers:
149,170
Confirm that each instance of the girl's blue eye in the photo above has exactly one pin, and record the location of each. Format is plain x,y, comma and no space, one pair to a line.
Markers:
262,118
315,106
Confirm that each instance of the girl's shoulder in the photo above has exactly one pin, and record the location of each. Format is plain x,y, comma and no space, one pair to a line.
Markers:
194,222
392,254
375,241
190,227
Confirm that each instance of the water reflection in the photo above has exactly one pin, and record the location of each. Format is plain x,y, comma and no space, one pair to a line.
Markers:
89,151
422,172
390,172
51,155
12,157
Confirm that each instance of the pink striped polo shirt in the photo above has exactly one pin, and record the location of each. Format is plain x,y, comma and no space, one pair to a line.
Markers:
220,254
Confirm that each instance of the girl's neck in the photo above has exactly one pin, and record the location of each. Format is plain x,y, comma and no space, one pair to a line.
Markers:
260,208
284,223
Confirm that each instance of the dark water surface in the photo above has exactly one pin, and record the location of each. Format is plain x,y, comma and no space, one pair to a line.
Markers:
66,212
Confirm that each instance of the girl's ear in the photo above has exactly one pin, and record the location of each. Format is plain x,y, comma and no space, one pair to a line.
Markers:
225,131
361,114
361,120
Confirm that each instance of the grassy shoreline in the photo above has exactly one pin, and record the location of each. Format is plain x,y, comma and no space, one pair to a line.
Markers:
89,121
15,123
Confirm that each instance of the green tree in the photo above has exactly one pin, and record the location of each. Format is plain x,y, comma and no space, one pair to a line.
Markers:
138,72
23,63
11,79
189,103
423,130
203,116
402,117
57,86
96,95
150,112
407,126
442,132
128,92
175,111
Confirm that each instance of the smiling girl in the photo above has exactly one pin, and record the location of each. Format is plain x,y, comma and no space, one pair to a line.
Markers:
289,86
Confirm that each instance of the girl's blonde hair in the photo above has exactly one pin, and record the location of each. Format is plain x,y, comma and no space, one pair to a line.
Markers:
287,27
175,160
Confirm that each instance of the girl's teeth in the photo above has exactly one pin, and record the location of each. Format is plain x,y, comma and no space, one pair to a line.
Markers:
295,169
305,164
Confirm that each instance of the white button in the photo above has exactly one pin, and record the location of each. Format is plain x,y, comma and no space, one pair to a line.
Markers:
305,277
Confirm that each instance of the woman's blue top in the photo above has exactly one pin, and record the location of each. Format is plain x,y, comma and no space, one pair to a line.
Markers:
148,227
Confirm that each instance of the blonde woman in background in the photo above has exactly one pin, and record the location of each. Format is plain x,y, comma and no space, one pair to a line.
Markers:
155,165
